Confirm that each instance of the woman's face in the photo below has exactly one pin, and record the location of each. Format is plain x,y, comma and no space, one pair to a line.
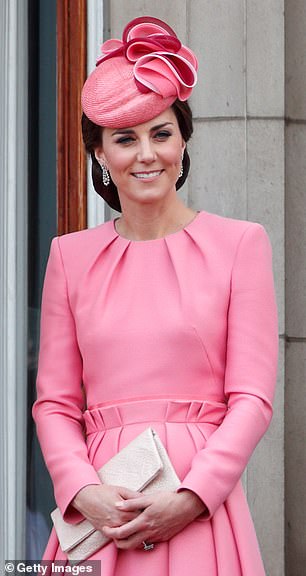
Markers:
144,161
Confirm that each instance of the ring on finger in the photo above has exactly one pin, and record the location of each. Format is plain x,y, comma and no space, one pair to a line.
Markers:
147,545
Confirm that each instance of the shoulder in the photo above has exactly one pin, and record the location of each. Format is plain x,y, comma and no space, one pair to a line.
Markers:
240,250
75,252
229,234
87,237
84,243
233,226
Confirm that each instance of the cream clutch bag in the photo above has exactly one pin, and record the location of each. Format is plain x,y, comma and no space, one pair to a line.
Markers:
144,466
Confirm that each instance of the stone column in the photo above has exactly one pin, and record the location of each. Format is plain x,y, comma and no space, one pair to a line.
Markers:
238,171
237,155
295,287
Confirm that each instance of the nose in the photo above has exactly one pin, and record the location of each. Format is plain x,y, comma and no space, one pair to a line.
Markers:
146,152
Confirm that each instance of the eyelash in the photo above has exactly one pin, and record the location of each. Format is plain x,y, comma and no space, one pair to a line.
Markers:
162,135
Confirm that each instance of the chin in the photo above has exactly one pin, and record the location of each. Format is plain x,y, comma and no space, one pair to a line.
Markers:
151,197
150,192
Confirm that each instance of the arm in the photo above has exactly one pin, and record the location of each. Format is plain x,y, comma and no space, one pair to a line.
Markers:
58,411
250,373
59,406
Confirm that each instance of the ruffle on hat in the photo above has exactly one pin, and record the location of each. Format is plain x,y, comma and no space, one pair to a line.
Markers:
138,77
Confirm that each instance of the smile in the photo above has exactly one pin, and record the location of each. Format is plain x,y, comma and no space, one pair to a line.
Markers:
146,175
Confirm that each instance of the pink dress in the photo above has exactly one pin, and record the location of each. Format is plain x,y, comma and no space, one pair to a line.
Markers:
179,333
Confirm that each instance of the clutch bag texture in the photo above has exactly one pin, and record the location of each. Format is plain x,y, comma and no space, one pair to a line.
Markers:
144,466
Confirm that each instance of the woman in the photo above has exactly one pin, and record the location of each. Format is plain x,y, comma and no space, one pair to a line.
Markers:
164,318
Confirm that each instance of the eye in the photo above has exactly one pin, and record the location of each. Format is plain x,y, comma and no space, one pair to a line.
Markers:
124,140
162,135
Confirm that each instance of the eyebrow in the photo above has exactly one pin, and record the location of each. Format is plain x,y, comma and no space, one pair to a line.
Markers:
131,131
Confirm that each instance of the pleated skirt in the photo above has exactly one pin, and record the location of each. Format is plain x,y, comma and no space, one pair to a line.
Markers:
225,545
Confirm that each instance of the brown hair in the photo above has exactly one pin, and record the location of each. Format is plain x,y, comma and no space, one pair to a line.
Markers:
92,137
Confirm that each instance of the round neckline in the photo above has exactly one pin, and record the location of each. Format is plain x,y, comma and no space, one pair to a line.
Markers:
161,238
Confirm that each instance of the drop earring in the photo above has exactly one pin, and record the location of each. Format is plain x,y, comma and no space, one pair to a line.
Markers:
181,172
105,175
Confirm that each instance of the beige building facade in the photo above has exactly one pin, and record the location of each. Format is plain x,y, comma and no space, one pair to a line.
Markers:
248,161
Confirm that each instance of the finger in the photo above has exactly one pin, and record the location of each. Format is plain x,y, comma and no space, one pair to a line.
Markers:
132,504
129,543
127,494
125,517
125,530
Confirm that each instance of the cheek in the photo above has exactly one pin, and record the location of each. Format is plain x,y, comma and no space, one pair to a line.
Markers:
120,164
174,157
174,153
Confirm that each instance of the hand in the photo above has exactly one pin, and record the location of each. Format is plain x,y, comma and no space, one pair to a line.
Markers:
164,514
98,504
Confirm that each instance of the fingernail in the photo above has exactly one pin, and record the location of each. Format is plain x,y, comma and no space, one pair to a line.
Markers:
119,504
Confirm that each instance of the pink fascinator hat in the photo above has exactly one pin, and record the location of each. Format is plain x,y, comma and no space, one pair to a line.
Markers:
140,76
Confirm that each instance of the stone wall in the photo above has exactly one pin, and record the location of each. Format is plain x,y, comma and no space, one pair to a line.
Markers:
244,143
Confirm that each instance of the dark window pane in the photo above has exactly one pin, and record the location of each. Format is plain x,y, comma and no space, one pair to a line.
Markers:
42,227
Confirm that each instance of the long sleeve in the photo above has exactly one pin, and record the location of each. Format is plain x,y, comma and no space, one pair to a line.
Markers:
250,375
60,402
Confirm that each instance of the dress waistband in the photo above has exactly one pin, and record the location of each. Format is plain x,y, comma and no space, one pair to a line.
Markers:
153,410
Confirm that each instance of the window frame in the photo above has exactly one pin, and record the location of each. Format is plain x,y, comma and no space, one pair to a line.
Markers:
71,74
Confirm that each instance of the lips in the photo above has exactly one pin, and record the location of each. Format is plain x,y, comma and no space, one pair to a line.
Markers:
147,175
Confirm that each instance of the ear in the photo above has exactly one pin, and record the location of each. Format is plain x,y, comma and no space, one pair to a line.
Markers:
99,154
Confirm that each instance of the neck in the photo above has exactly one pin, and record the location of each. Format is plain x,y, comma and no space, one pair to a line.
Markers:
148,222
